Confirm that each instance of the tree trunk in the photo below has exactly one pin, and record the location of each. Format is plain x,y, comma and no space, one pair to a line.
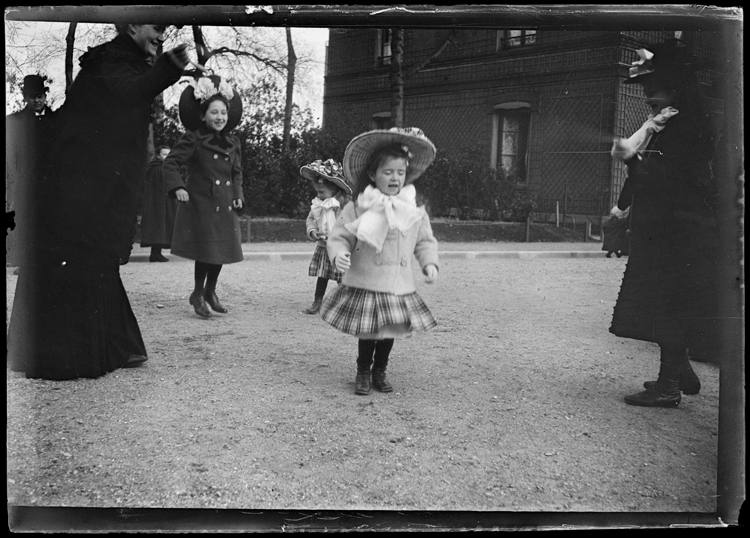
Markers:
200,45
291,65
69,42
397,77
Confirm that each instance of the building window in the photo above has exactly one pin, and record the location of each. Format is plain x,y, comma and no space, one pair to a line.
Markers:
381,120
508,39
384,47
510,145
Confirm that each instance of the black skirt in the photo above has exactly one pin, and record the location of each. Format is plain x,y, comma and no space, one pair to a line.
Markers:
71,318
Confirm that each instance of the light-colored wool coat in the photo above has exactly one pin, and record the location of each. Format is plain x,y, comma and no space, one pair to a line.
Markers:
390,270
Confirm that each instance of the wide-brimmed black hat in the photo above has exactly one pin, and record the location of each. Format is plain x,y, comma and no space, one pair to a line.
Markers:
34,85
201,89
669,59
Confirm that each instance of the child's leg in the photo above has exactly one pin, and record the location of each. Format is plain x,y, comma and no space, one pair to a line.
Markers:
320,291
212,277
196,298
382,352
366,348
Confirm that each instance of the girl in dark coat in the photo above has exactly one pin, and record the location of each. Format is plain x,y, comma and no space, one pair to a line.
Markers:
667,294
207,228
159,209
71,316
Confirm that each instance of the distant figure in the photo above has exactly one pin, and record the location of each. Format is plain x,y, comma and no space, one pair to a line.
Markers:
159,209
25,144
667,294
207,228
327,178
617,235
374,242
71,315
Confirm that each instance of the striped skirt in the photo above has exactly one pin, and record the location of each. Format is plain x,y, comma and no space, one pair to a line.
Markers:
374,315
321,265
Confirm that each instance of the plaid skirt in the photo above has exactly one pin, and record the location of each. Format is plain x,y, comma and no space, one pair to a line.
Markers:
321,265
373,314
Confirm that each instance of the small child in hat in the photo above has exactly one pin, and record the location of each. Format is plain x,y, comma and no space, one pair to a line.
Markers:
373,243
207,228
333,191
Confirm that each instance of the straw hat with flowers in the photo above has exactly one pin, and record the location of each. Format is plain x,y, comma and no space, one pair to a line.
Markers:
328,170
420,150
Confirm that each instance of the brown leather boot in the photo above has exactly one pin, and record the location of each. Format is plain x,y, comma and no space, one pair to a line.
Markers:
212,299
199,304
362,383
315,308
380,382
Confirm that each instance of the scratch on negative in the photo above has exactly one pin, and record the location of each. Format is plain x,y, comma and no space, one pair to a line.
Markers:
249,10
393,9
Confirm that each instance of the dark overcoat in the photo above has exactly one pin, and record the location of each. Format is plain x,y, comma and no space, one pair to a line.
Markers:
207,228
26,147
668,292
159,209
100,155
71,316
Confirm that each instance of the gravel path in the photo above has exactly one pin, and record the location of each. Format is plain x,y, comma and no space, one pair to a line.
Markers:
513,403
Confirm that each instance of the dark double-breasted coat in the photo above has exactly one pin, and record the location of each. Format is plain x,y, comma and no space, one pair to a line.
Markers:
207,228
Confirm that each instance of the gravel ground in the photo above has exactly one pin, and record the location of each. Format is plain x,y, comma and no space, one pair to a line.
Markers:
514,403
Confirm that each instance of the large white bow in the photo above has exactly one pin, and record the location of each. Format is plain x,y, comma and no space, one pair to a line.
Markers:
383,212
324,213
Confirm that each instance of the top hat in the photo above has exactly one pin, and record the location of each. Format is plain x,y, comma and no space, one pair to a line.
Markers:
201,89
670,58
358,153
328,170
34,85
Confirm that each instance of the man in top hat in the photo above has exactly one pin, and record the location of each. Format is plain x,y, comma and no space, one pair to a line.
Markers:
24,146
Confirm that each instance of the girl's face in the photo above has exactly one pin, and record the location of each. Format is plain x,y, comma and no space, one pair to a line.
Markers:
324,191
216,115
390,176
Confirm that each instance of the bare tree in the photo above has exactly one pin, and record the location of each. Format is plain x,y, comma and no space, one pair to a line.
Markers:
291,65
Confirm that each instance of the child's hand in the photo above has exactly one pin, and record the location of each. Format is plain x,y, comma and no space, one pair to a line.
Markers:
182,195
343,261
431,273
237,203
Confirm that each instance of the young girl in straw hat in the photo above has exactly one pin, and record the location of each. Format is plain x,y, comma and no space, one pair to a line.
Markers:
332,190
373,243
207,228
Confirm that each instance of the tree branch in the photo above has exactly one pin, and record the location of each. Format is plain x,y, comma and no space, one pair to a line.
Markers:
273,64
413,70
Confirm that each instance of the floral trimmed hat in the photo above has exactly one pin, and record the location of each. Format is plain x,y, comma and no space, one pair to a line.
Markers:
418,147
201,89
329,170
670,58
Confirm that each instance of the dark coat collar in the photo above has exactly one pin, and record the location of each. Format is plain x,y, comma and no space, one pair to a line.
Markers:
207,139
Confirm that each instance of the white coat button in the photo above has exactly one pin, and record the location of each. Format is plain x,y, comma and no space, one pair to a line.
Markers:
229,208
226,158
216,156
228,184
217,208
218,182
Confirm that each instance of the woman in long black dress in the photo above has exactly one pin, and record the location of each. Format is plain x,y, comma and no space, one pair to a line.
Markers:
71,316
668,289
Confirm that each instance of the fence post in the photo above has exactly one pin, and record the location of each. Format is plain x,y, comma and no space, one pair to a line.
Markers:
557,213
528,228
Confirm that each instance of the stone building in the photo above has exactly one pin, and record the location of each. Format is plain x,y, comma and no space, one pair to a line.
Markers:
543,106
